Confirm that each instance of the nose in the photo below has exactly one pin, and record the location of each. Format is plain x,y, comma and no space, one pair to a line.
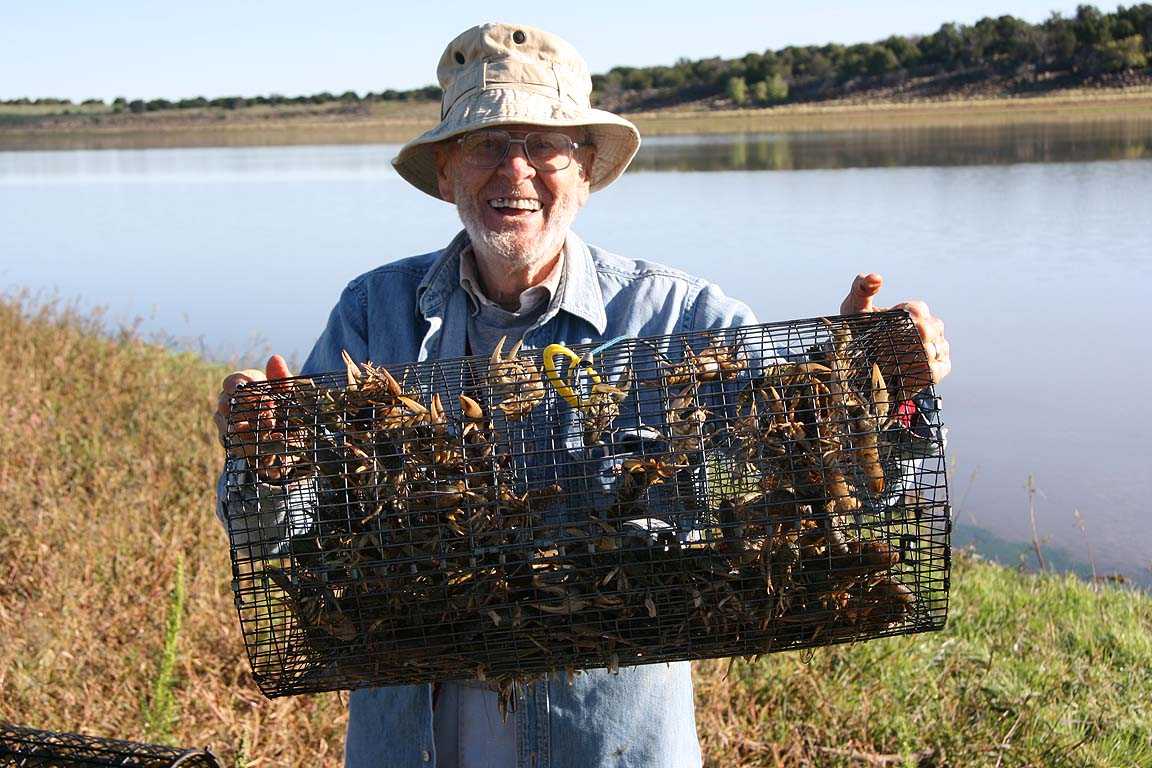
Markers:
516,166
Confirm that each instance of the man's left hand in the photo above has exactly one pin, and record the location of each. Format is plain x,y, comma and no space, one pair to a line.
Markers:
930,327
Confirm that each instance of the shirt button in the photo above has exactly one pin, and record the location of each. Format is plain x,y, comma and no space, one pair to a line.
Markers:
426,756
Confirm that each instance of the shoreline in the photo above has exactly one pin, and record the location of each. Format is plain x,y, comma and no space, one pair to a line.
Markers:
389,124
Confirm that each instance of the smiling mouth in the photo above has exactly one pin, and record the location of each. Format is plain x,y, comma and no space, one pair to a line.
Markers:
515,206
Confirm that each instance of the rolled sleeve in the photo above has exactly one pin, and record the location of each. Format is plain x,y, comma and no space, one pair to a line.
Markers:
262,518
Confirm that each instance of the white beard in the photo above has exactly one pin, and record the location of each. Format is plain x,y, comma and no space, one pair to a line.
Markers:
505,248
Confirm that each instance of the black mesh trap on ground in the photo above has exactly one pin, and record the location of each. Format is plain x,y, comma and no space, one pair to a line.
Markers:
30,748
727,493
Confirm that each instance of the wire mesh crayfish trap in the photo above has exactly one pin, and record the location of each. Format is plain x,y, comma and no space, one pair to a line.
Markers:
22,747
724,493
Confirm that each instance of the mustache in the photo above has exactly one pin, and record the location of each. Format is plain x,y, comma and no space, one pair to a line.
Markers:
513,192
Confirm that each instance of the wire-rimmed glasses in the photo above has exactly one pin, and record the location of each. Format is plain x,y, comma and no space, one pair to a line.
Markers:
545,150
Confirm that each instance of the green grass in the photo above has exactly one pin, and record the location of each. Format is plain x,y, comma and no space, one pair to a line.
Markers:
1031,670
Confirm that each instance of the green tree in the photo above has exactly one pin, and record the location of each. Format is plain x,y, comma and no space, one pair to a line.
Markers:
737,90
1059,42
777,88
1119,55
1015,42
1092,27
819,67
1122,29
754,66
638,80
710,71
1139,18
667,77
944,48
904,49
879,60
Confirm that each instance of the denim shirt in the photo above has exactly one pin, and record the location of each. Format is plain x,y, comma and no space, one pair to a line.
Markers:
416,310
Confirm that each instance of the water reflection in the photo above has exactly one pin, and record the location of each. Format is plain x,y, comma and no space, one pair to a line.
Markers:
928,146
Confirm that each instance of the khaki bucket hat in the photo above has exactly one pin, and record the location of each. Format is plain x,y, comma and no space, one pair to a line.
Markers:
504,74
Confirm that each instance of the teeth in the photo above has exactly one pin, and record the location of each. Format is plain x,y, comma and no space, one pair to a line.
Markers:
521,203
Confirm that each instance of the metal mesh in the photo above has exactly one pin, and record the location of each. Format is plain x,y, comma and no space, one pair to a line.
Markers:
30,748
727,493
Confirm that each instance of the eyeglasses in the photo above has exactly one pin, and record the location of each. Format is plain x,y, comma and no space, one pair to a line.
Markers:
545,150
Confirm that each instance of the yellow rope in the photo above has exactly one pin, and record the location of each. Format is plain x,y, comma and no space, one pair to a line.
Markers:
551,352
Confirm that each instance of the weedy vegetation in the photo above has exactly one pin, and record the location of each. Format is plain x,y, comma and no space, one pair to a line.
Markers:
108,460
117,618
161,711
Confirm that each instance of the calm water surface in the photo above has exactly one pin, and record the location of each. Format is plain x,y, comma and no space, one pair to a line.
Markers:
1032,244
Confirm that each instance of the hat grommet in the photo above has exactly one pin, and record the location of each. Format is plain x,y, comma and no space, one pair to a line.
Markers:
519,37
459,57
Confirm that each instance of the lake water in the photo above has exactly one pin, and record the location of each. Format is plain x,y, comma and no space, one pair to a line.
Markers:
1032,243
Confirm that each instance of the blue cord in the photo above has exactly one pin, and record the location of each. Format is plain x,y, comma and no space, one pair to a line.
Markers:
606,345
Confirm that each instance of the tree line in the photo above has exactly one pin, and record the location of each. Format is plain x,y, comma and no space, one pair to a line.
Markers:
122,104
1089,43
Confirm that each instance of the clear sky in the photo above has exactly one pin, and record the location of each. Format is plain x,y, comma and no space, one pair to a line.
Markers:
80,49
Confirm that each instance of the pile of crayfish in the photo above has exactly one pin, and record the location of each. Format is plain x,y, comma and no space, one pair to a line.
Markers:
433,552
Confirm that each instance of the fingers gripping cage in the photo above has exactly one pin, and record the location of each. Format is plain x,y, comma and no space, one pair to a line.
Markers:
723,493
22,747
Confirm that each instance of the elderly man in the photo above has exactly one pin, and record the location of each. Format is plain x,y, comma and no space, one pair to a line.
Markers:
518,150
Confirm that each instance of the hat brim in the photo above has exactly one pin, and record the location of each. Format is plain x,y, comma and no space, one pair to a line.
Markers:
616,139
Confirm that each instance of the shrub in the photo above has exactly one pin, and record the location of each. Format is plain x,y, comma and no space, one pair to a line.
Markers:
737,90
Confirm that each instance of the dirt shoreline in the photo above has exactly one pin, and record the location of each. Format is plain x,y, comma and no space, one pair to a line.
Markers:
389,123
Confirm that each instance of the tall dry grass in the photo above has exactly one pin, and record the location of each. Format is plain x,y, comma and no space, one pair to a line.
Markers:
107,465
108,459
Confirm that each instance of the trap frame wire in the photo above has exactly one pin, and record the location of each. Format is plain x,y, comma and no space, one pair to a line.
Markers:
710,494
22,747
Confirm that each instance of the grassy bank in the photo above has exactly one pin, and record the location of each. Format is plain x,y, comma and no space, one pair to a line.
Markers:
117,617
393,122
848,115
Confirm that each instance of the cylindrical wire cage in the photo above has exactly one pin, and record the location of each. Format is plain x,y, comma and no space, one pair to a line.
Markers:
22,747
722,493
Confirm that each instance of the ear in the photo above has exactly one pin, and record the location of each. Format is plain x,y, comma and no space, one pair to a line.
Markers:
443,156
587,158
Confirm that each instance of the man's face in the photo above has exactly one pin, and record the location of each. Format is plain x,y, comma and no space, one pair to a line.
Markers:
515,213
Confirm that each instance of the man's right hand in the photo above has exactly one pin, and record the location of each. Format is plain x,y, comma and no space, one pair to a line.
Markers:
261,415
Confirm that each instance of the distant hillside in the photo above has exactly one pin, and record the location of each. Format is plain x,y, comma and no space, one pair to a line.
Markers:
993,57
997,56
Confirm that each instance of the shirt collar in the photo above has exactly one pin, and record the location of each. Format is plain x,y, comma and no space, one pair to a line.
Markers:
580,292
579,288
530,298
